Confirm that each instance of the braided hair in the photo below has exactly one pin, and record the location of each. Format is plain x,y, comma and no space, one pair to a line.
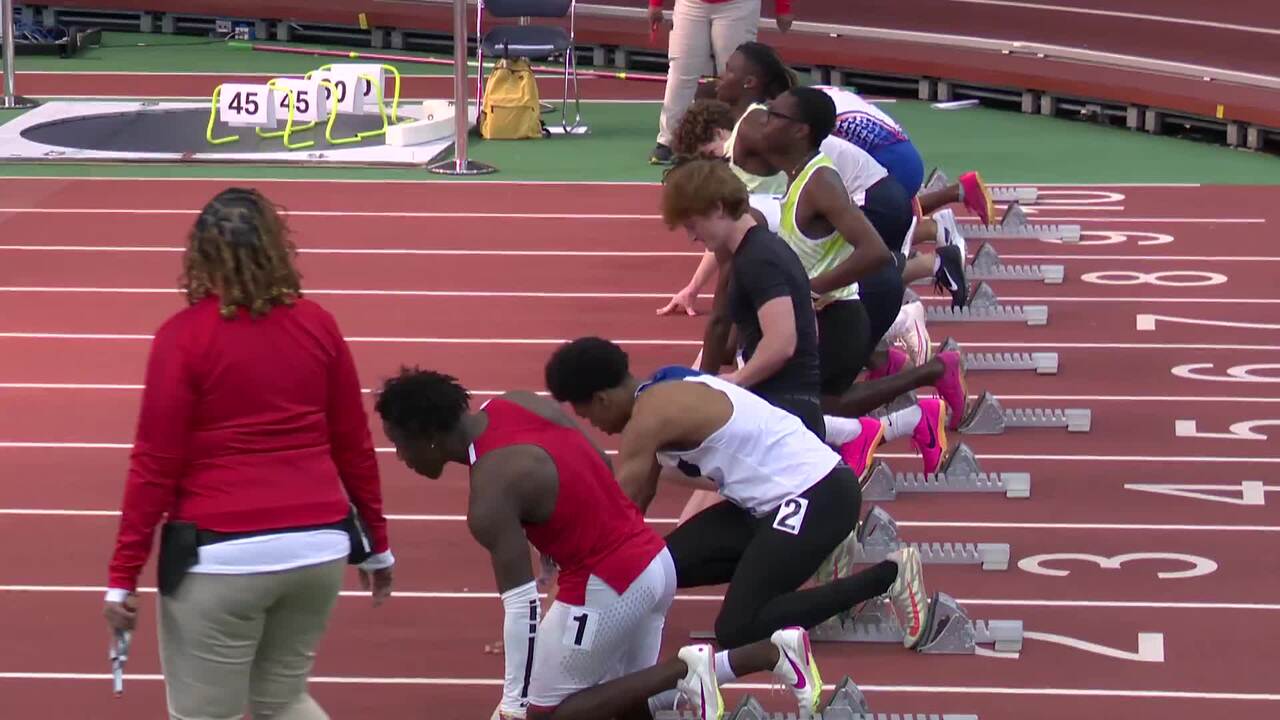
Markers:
239,250
775,77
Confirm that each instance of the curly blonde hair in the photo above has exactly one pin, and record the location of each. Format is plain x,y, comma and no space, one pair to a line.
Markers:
239,250
699,126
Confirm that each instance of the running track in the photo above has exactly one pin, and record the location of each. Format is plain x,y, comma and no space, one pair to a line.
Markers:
433,274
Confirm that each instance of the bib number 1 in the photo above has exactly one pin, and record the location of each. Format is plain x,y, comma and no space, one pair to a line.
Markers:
580,631
790,515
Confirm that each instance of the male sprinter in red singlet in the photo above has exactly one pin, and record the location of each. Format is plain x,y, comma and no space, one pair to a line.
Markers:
535,476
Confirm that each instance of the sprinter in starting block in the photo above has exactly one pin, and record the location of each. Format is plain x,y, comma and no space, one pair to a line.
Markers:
790,500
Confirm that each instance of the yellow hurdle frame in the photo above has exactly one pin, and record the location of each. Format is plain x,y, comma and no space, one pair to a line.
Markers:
289,128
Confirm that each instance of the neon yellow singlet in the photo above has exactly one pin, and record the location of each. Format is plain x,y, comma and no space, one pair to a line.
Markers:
817,255
756,184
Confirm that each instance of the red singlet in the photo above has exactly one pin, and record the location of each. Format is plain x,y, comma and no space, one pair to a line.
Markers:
594,529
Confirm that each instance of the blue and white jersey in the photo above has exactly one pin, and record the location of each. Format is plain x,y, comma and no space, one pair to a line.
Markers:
759,458
861,122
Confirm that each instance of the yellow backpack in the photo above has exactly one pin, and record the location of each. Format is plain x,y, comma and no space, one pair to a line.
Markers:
511,110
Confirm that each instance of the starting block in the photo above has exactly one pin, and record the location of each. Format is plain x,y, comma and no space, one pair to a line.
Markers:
877,538
987,417
960,474
847,702
1029,314
1015,225
984,306
987,266
1003,194
948,629
1042,363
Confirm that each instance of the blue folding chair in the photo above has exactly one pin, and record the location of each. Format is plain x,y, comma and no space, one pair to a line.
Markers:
535,42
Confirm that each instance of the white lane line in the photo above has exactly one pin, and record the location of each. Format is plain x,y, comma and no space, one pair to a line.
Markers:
1186,258
613,295
553,216
61,445
1127,15
1145,527
554,341
370,293
361,251
597,253
345,213
410,340
992,602
369,391
922,689
429,180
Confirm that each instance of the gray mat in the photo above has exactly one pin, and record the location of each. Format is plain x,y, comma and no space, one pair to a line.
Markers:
183,131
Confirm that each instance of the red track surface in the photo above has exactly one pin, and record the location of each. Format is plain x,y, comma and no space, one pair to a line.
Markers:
64,394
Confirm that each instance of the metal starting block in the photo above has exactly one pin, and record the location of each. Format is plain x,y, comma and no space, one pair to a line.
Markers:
948,629
987,417
877,538
1014,224
984,306
1002,194
846,703
1042,363
987,266
1029,314
959,474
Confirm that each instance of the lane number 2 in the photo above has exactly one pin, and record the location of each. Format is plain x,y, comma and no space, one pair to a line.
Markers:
1150,647
790,516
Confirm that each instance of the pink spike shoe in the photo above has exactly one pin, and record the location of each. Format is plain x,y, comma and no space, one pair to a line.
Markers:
860,451
930,435
976,197
898,359
951,386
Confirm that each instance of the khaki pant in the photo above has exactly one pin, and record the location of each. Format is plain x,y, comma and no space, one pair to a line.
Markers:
231,641
701,30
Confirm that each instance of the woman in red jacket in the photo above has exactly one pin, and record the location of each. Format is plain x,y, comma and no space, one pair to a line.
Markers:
253,445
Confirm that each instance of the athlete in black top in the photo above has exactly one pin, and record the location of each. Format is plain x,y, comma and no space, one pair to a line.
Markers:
764,296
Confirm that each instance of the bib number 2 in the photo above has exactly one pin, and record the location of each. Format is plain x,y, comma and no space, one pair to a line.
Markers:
580,631
790,515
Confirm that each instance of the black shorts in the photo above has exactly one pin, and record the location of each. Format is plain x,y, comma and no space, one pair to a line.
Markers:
883,305
806,407
766,558
888,209
844,344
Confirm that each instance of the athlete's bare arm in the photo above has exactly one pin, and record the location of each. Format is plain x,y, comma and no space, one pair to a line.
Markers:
508,486
672,415
777,342
715,337
825,206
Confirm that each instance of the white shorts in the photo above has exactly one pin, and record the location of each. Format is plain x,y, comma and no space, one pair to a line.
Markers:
610,636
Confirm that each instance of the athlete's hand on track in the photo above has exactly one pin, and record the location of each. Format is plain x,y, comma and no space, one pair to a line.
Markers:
784,22
682,301
379,582
122,615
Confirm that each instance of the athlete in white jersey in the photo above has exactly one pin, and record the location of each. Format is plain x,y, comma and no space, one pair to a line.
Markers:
791,500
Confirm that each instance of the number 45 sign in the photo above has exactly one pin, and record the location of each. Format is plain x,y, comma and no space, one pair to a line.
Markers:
245,105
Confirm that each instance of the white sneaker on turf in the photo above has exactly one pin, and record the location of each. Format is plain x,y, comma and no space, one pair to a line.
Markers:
910,601
798,668
699,686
